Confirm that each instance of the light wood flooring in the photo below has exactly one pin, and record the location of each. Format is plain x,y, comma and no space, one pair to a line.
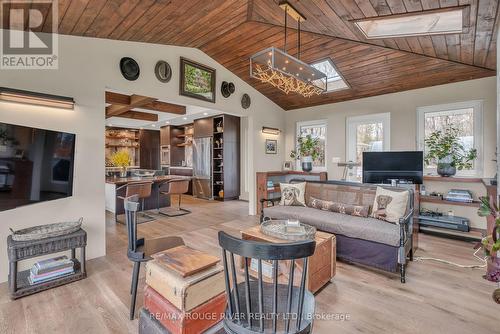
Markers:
437,298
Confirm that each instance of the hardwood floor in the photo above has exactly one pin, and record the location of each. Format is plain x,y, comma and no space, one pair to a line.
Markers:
437,298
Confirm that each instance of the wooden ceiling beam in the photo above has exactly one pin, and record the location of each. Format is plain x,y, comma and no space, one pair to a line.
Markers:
139,115
120,103
136,101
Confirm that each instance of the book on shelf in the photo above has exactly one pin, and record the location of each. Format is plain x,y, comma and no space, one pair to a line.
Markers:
49,265
270,185
35,279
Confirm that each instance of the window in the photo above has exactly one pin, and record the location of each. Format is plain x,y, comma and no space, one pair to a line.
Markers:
317,129
466,117
334,80
441,21
367,133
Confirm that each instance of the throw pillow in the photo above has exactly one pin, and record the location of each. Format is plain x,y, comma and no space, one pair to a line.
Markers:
390,205
292,194
347,209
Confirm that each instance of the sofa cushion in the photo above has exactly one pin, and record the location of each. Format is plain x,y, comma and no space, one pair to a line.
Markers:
292,194
390,205
350,226
347,209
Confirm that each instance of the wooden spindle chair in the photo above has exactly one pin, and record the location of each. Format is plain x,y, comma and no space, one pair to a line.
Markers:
140,249
258,306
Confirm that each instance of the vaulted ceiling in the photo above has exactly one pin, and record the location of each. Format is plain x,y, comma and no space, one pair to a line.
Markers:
230,31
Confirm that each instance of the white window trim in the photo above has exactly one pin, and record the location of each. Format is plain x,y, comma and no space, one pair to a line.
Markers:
477,105
321,122
352,123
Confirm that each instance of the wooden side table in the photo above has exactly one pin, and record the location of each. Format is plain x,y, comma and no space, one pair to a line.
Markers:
19,285
321,266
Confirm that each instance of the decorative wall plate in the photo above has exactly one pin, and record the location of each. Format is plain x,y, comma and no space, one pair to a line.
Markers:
163,71
129,68
245,101
227,88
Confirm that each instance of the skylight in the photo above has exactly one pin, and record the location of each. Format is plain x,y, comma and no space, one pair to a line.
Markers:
334,79
425,23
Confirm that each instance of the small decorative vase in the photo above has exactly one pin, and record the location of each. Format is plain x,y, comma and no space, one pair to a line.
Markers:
445,168
123,172
307,164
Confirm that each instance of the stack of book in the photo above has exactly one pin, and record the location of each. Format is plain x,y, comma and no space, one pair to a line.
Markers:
185,291
50,269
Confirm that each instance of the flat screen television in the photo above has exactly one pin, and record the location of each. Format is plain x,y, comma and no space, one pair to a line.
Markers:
36,165
383,167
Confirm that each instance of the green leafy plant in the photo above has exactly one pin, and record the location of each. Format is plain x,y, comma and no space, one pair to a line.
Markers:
444,144
306,146
490,243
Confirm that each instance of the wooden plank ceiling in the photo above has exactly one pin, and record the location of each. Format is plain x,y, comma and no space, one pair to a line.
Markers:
230,31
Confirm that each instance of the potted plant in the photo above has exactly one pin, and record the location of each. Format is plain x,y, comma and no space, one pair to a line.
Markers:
491,243
121,159
307,151
445,148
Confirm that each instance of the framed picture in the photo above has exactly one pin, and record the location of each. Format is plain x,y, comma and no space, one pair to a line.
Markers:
271,146
197,80
288,165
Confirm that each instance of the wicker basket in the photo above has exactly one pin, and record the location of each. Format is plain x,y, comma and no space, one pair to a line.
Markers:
46,231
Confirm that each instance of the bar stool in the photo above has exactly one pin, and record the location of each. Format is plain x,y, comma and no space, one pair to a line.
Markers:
175,187
143,190
140,250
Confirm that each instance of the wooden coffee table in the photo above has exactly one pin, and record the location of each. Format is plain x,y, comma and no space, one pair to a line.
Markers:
321,266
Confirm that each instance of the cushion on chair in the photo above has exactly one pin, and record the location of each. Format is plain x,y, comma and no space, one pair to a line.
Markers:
350,226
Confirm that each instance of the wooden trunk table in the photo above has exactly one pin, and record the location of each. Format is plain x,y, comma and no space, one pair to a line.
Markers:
321,265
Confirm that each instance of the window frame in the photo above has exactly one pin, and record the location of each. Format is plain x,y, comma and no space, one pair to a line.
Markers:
319,122
353,121
477,106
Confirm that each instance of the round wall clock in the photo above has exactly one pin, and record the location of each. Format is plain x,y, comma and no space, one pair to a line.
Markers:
245,101
163,71
129,68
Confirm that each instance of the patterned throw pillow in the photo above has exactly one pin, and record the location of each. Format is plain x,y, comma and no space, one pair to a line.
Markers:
292,194
347,209
390,205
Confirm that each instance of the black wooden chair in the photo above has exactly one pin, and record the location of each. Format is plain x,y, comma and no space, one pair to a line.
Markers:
260,305
140,250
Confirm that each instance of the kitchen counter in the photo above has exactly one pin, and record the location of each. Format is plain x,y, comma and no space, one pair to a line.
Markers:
116,186
156,179
180,167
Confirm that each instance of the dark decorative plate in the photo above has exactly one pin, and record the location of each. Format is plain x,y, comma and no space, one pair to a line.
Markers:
227,88
129,68
245,101
163,71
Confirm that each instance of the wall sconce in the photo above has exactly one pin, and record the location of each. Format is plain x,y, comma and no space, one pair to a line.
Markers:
39,99
271,131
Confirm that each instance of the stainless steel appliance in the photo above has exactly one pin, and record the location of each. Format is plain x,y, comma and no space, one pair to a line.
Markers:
202,168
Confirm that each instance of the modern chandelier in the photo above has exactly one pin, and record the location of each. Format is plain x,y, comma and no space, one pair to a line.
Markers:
285,72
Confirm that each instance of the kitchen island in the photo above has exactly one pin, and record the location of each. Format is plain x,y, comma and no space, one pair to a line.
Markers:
116,186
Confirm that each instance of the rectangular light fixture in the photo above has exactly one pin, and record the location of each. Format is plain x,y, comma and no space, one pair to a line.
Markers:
34,98
271,131
429,22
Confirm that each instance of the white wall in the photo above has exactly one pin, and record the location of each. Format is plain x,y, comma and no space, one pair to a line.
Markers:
402,107
87,67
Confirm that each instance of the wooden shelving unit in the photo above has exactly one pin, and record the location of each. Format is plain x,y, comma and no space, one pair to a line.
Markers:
436,178
117,139
225,157
437,200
